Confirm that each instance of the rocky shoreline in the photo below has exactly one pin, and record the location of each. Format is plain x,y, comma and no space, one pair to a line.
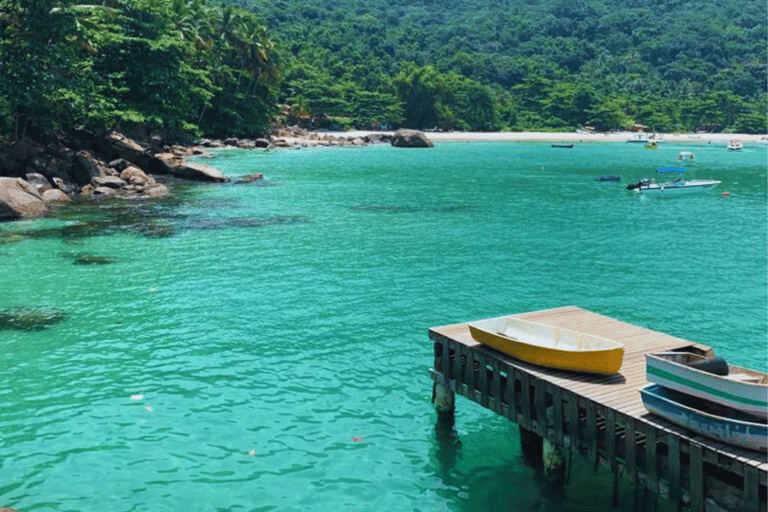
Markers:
32,174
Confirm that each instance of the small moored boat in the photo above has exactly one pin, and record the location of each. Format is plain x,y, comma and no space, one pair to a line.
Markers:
728,426
674,170
710,379
735,145
652,145
685,158
640,138
550,346
608,178
566,146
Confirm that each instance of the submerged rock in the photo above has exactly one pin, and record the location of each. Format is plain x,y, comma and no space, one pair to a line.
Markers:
86,258
30,318
250,178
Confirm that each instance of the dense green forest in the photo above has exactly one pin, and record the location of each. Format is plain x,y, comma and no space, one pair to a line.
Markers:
182,68
672,65
189,68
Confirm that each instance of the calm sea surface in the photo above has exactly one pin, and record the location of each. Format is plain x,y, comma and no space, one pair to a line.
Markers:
256,348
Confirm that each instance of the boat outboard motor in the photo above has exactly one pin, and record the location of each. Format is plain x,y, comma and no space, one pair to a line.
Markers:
633,186
717,365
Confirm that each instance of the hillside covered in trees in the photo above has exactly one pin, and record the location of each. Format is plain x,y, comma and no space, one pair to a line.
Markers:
187,68
672,65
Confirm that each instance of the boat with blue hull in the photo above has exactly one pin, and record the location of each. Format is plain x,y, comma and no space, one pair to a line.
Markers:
671,170
726,425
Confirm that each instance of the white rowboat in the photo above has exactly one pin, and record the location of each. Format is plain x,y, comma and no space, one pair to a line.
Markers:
711,380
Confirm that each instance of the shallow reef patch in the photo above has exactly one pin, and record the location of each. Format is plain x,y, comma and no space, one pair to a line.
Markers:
30,318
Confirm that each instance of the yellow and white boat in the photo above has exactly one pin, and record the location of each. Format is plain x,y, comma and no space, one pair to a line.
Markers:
550,346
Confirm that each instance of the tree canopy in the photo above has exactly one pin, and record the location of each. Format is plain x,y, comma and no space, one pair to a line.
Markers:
188,68
671,65
184,68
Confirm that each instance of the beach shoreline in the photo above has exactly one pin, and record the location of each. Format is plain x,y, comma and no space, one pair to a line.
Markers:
693,138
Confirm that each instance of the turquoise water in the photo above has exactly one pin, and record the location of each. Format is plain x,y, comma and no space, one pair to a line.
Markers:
265,347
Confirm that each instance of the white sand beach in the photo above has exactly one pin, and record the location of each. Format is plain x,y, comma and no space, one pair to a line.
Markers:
700,138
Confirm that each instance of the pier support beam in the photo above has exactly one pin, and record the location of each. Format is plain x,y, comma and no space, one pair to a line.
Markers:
444,399
531,446
553,458
542,454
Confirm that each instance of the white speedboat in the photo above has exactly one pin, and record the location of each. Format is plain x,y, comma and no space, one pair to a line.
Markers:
641,138
677,186
735,145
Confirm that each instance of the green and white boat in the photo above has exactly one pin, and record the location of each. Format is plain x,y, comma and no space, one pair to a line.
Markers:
710,379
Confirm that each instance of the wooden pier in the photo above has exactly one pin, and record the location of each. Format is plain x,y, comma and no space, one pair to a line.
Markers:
603,417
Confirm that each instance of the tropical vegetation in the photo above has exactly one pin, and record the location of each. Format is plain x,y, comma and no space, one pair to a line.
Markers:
671,65
183,68
188,68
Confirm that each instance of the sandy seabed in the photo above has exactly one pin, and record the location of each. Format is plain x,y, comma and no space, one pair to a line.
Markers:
703,138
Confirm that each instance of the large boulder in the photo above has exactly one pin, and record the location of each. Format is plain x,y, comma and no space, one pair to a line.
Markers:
38,181
87,167
167,163
155,190
410,139
200,172
108,181
20,200
117,145
64,185
136,176
55,195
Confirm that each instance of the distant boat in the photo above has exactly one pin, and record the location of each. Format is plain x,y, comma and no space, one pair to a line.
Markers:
639,138
711,379
675,187
728,426
685,158
735,145
550,346
608,178
562,145
652,145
